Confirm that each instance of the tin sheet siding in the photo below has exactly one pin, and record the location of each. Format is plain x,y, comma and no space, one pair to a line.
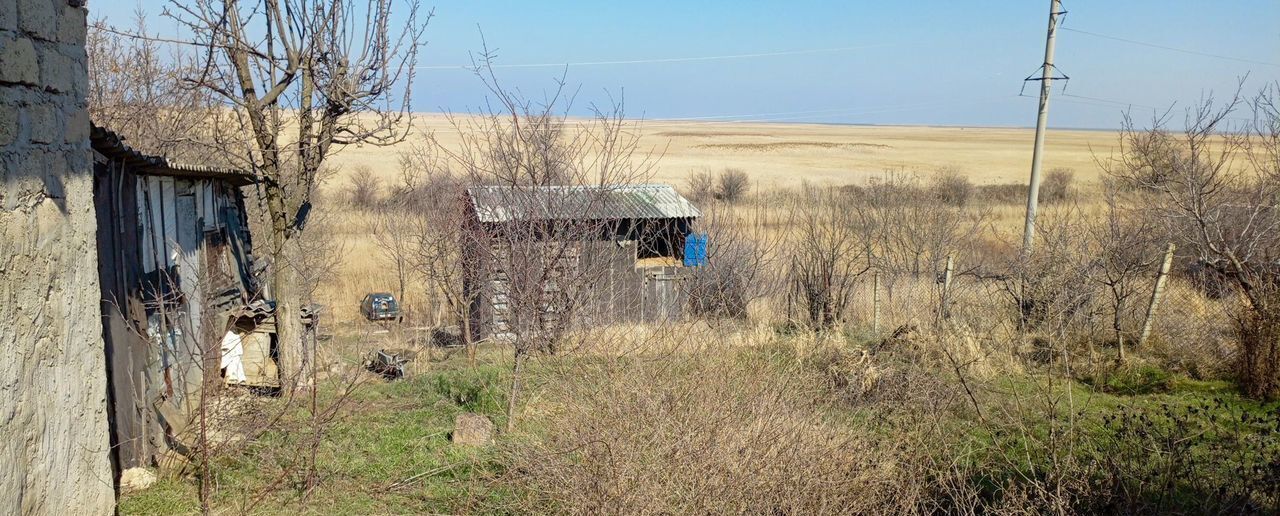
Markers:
157,229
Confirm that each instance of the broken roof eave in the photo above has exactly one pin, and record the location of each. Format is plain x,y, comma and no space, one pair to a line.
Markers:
110,145
504,204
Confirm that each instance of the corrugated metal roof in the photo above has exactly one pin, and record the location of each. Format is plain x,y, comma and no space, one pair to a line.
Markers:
111,145
644,201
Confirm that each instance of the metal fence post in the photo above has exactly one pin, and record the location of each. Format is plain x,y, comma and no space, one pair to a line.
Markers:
946,286
875,303
1156,294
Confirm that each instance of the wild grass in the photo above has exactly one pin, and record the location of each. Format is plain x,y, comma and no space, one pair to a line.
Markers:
962,413
389,452
766,419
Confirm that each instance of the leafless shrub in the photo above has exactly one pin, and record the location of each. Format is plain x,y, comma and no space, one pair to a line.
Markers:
1002,194
914,235
951,187
732,185
707,435
1057,185
830,249
433,208
741,256
1047,284
701,186
364,189
1126,250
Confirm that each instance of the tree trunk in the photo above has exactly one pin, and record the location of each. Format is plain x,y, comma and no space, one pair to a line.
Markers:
466,338
514,394
292,351
1116,327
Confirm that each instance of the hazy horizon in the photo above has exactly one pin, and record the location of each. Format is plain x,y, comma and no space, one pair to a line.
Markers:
922,63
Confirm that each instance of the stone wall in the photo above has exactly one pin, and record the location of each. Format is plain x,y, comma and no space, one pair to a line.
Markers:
53,420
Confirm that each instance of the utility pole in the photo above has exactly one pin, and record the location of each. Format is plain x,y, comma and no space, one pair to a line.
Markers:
1046,85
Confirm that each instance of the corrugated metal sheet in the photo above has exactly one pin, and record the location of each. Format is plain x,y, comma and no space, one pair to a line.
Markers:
110,145
645,201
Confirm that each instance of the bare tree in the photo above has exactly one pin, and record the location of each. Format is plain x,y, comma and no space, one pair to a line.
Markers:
1222,207
1125,244
1052,285
742,252
701,185
303,78
364,190
136,89
392,228
831,248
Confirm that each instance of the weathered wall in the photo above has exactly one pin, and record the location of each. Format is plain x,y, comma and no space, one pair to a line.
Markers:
53,424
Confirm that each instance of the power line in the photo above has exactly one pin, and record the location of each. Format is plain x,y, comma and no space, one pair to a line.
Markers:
823,113
1113,104
667,59
1108,101
728,118
1172,49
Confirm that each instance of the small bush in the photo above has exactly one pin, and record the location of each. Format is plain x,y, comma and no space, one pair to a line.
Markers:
702,185
712,435
1259,357
718,289
364,190
733,185
1057,185
473,391
1004,193
951,187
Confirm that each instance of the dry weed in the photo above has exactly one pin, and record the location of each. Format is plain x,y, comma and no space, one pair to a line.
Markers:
710,434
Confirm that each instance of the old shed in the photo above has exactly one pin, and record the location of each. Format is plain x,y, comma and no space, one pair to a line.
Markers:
620,251
176,271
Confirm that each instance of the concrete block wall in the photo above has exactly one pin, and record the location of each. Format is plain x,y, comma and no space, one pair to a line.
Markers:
54,440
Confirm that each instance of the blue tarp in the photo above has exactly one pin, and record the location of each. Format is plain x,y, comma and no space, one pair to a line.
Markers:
695,250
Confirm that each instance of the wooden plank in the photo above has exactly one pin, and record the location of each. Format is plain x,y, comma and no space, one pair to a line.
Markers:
259,368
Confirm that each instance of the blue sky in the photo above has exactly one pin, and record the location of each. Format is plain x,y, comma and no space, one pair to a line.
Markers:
917,62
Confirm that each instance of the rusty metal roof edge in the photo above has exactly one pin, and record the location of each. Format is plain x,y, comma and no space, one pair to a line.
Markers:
109,143
665,203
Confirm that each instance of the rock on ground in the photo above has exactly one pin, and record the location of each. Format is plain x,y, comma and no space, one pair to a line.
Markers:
472,429
136,479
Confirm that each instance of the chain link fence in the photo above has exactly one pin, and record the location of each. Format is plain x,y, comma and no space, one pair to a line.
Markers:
1189,326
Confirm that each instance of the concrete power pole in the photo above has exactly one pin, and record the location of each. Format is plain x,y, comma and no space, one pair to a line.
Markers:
1046,85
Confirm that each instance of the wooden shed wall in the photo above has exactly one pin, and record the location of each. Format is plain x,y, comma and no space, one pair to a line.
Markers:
134,435
619,290
157,230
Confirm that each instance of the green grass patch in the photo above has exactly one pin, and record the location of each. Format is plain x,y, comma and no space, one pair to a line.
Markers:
388,453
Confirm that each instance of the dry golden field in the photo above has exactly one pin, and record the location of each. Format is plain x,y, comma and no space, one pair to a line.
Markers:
783,155
774,156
